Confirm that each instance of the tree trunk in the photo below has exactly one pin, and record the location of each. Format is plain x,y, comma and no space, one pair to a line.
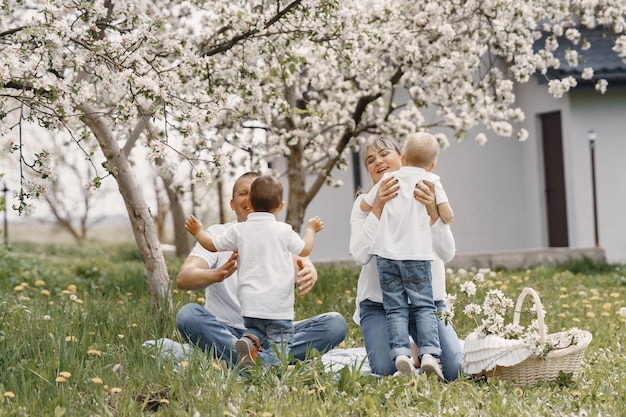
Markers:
181,237
141,220
297,204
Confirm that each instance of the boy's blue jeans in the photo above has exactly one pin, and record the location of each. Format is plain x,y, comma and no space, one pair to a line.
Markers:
273,334
374,331
401,282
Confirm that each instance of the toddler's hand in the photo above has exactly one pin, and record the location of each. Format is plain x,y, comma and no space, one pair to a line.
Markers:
193,225
315,223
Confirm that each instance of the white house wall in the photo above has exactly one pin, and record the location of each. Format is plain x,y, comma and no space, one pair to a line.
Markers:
498,190
606,115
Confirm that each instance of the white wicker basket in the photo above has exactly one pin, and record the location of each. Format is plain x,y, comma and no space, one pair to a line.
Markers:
536,369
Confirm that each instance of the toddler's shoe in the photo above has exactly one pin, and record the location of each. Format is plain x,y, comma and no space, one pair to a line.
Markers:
430,366
404,365
247,349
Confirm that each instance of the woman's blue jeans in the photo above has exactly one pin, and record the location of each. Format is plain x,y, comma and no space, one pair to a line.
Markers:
374,331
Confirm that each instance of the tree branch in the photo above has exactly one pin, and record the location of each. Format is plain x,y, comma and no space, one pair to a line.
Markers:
226,45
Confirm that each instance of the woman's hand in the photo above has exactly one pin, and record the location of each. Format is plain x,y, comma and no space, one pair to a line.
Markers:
388,190
425,194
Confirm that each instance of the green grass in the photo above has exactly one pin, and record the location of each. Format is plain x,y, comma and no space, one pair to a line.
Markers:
95,334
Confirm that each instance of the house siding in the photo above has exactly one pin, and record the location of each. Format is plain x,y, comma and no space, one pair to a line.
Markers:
498,190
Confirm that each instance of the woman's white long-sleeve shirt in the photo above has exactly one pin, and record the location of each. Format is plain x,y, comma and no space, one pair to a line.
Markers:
362,229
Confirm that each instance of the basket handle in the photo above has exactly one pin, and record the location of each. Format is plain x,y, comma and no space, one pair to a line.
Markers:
538,310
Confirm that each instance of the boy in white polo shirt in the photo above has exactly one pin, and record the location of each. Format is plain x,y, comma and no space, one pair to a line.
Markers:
265,267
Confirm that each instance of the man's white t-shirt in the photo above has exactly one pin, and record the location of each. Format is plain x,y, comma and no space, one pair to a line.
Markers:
221,297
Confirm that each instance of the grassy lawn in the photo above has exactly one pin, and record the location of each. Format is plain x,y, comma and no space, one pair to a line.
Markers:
73,320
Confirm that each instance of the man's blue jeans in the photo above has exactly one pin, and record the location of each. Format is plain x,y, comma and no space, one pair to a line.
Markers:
200,327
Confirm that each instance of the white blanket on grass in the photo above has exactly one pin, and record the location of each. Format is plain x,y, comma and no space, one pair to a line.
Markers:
334,360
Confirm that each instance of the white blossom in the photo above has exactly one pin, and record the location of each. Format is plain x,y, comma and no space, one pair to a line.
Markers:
302,78
481,139
468,288
587,73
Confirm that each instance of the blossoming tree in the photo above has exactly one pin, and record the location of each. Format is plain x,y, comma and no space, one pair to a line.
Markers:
185,77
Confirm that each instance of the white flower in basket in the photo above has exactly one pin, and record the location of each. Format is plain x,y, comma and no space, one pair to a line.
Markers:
524,354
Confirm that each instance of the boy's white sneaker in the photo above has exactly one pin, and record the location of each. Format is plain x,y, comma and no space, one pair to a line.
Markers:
404,365
430,366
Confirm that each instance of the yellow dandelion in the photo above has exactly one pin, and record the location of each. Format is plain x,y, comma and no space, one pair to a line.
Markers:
65,374
39,283
565,306
18,288
605,314
189,292
591,314
120,302
71,288
595,298
563,289
319,302
576,394
97,380
267,414
175,291
216,366
226,413
576,320
503,287
312,391
134,325
70,339
65,292
614,295
607,306
24,298
9,394
60,379
183,364
347,292
321,389
115,390
164,401
44,292
94,352
25,284
561,315
78,301
563,296
200,300
129,294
